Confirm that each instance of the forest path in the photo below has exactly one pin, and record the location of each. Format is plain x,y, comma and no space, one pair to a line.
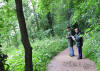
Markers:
63,62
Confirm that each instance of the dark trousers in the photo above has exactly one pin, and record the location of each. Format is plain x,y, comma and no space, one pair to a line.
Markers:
79,52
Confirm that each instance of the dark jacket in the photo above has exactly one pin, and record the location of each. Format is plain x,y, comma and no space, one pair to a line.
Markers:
79,39
69,38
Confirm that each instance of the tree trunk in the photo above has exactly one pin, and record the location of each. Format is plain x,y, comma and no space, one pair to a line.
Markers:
36,18
14,28
24,36
50,23
36,14
69,13
32,7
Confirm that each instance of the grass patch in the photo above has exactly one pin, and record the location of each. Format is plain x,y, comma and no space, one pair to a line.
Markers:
43,51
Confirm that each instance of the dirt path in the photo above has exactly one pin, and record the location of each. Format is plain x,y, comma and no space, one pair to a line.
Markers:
63,62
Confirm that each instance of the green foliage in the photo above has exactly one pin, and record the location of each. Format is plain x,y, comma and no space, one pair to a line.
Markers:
45,6
43,51
91,47
86,13
63,13
7,22
3,58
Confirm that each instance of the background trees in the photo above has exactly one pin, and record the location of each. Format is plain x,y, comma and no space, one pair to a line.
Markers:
45,18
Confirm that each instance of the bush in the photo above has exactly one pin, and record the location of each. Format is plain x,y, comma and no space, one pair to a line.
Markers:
43,51
3,58
91,48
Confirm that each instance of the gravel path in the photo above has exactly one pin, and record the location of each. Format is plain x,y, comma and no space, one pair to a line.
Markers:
63,62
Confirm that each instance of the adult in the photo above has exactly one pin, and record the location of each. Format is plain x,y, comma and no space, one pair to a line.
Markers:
79,42
70,41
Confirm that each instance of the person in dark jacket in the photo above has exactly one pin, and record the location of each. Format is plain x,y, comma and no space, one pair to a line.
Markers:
79,42
70,41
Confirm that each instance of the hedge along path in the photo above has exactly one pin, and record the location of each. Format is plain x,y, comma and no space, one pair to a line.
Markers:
63,62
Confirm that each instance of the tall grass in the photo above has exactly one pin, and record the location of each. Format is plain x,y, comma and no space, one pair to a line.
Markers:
43,51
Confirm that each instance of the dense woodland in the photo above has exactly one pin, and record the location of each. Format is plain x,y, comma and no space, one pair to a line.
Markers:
32,32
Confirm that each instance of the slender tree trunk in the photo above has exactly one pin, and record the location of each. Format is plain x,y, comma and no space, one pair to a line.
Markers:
32,7
24,36
14,28
36,14
69,13
36,19
50,21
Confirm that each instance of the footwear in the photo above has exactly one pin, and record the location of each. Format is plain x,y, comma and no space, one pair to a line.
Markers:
71,55
79,58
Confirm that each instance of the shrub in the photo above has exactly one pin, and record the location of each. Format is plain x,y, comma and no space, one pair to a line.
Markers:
91,48
43,51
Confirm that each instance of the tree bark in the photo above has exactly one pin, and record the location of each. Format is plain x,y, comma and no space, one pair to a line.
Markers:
36,18
32,7
24,36
50,23
14,28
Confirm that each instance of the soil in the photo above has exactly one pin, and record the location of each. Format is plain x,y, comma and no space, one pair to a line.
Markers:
63,62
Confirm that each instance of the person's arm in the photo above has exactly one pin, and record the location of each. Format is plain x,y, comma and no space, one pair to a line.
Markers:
67,36
73,37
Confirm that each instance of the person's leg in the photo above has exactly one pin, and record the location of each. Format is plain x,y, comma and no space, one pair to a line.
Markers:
71,51
79,52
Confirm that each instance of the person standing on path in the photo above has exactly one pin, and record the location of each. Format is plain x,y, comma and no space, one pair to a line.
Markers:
79,42
70,41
